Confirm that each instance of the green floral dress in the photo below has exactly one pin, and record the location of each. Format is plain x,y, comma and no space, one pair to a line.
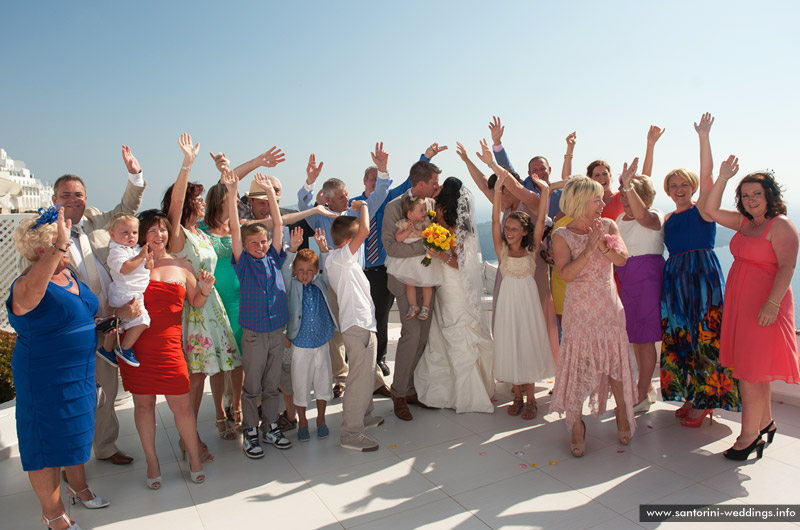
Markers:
208,339
227,282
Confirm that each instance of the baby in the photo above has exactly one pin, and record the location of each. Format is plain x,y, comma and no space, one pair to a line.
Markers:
127,263
411,271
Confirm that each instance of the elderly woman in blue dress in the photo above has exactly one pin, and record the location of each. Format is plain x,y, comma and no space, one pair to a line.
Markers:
53,366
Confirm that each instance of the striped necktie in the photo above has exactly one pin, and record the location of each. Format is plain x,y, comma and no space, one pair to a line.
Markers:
372,241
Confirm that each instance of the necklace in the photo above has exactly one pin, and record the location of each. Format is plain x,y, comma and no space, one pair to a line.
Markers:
69,284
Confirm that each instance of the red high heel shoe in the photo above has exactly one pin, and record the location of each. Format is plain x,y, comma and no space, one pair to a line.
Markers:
682,412
698,421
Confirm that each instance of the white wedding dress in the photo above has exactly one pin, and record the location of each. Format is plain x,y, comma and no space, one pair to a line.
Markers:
455,371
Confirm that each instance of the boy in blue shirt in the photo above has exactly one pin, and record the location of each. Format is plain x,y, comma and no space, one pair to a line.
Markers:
263,312
311,326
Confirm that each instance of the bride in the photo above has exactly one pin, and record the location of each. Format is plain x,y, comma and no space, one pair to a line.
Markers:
455,370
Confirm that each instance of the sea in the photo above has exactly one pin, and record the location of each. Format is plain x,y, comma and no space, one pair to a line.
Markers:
722,249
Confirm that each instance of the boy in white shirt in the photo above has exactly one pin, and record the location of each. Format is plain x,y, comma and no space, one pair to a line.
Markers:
358,325
130,275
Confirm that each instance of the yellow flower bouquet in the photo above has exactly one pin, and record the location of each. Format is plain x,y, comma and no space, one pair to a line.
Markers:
436,237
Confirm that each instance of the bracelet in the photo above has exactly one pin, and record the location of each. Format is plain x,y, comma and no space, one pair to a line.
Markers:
773,302
568,155
449,260
53,245
626,190
186,168
607,251
491,164
204,294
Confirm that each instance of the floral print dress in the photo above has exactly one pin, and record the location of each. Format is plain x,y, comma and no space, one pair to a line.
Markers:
691,317
208,339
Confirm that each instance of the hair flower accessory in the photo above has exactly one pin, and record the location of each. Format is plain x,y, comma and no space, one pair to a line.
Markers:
613,243
46,216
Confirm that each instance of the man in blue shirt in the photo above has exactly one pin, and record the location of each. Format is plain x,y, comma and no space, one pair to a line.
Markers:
375,255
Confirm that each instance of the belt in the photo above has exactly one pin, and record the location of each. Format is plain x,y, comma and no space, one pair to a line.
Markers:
376,268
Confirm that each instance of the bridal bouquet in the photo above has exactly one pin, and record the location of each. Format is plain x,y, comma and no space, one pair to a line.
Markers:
436,237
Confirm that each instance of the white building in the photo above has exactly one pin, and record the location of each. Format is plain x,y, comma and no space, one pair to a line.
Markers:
20,191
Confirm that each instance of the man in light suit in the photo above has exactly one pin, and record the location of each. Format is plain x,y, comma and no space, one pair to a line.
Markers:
88,255
424,178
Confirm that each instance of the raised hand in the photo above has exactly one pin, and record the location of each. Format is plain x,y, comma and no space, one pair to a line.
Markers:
433,150
295,239
271,158
380,157
319,237
206,280
264,183
221,161
63,226
655,133
230,182
628,172
130,161
461,152
572,139
356,204
149,260
706,121
312,169
486,154
322,210
189,151
729,168
496,129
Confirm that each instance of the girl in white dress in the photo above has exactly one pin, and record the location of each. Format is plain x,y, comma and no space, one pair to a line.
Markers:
411,271
521,343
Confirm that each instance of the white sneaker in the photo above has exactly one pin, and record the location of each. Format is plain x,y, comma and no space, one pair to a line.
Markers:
250,444
359,442
275,437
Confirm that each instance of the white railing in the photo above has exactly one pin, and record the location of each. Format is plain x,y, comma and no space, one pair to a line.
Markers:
8,261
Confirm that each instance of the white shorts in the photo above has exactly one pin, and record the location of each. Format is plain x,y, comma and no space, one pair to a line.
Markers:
117,299
311,369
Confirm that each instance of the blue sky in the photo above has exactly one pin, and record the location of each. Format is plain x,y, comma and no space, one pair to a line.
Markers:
82,78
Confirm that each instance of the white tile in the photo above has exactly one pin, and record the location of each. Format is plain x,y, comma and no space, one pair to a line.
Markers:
764,481
372,491
788,454
695,494
533,500
617,523
442,514
464,464
619,480
22,510
429,427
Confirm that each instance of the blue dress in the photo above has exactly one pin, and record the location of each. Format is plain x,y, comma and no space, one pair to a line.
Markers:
53,366
691,317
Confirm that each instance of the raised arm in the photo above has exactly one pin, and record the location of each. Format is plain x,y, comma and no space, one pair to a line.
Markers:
177,237
496,129
706,162
381,159
30,289
232,185
729,218
363,226
199,288
652,137
541,214
131,198
643,216
265,184
305,195
566,167
526,196
497,206
270,158
479,178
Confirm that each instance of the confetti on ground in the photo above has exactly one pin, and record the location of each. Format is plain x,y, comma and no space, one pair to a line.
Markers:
494,401
534,465
780,402
519,453
527,445
391,410
483,454
549,381
393,446
523,466
649,426
621,451
553,463
663,456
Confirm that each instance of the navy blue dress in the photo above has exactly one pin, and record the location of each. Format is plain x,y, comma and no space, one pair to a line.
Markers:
53,366
691,317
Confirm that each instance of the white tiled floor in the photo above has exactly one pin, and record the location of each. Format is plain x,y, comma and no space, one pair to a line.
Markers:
441,470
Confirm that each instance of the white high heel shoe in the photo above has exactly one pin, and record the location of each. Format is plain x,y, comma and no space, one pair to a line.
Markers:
72,524
92,504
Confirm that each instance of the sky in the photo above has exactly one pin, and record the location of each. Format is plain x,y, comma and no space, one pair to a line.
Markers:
83,78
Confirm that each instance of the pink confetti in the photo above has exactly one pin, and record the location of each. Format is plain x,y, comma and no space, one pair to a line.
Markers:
519,453
494,401
523,466
483,454
780,402
621,451
649,426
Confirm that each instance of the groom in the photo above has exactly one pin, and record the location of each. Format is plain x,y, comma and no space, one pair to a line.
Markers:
424,178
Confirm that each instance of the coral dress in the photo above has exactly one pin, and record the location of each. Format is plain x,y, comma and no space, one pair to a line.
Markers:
757,353
207,334
162,368
521,344
691,317
53,366
594,342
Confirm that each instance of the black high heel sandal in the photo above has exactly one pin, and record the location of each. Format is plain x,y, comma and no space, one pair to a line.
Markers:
770,433
742,454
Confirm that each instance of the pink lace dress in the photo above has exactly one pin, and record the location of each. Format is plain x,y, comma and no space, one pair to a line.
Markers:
594,342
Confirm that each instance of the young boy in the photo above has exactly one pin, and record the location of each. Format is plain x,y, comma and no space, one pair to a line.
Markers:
358,325
127,264
263,313
311,326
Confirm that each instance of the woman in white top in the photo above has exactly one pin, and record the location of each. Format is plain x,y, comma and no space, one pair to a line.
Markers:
641,278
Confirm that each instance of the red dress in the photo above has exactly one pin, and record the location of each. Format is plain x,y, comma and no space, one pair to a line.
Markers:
756,353
159,350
